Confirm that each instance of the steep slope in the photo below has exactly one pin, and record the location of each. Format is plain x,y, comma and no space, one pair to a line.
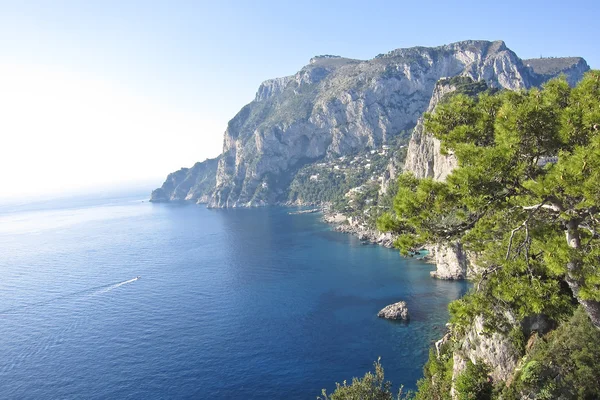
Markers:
423,158
190,184
335,106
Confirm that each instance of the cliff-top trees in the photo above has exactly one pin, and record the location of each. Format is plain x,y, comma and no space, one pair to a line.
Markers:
525,198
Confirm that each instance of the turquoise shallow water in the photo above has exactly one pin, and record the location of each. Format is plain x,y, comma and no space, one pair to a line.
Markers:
241,304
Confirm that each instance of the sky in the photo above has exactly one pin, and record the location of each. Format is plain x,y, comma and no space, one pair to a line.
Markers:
97,94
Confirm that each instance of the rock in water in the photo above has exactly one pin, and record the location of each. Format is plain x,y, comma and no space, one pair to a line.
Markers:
395,311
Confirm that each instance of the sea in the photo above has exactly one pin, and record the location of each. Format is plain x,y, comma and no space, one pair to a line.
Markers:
113,297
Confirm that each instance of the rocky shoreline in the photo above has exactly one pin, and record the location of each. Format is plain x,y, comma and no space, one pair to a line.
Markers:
450,260
342,223
310,211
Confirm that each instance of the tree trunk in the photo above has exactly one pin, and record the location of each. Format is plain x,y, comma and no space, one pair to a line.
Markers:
591,307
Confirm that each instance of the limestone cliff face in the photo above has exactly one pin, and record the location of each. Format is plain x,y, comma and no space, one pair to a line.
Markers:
451,262
272,87
188,184
424,158
335,106
495,349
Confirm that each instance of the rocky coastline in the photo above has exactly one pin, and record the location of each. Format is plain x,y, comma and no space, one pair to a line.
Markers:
342,223
309,211
451,261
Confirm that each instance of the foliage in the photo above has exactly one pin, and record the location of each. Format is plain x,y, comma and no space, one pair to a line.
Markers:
529,166
562,364
565,364
525,198
330,187
437,380
474,383
370,387
466,86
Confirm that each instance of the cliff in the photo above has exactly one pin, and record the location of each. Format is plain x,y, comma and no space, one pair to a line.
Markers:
189,184
424,160
336,106
423,157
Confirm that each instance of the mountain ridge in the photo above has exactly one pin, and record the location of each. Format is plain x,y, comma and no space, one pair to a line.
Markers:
335,106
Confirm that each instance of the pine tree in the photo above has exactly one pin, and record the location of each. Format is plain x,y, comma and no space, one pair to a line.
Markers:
525,197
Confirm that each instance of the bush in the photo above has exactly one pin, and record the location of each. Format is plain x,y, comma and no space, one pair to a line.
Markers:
474,383
370,387
564,364
437,380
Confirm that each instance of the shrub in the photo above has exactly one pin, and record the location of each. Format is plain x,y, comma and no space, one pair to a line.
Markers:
370,387
474,383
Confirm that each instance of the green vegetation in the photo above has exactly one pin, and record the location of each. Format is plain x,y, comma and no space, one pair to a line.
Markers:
466,86
529,167
564,364
370,387
474,383
329,185
437,380
350,183
525,198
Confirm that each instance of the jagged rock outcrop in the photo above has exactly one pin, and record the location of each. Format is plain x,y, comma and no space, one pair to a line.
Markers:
189,184
272,87
451,262
494,349
335,106
395,311
424,158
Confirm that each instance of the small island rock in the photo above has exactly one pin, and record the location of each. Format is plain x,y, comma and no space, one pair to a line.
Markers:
395,311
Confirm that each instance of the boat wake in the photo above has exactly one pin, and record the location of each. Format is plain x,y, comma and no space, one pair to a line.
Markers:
114,286
97,290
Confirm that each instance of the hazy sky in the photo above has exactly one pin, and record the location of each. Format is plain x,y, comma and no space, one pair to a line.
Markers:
95,93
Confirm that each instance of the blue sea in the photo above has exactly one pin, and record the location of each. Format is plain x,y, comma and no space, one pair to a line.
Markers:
230,304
